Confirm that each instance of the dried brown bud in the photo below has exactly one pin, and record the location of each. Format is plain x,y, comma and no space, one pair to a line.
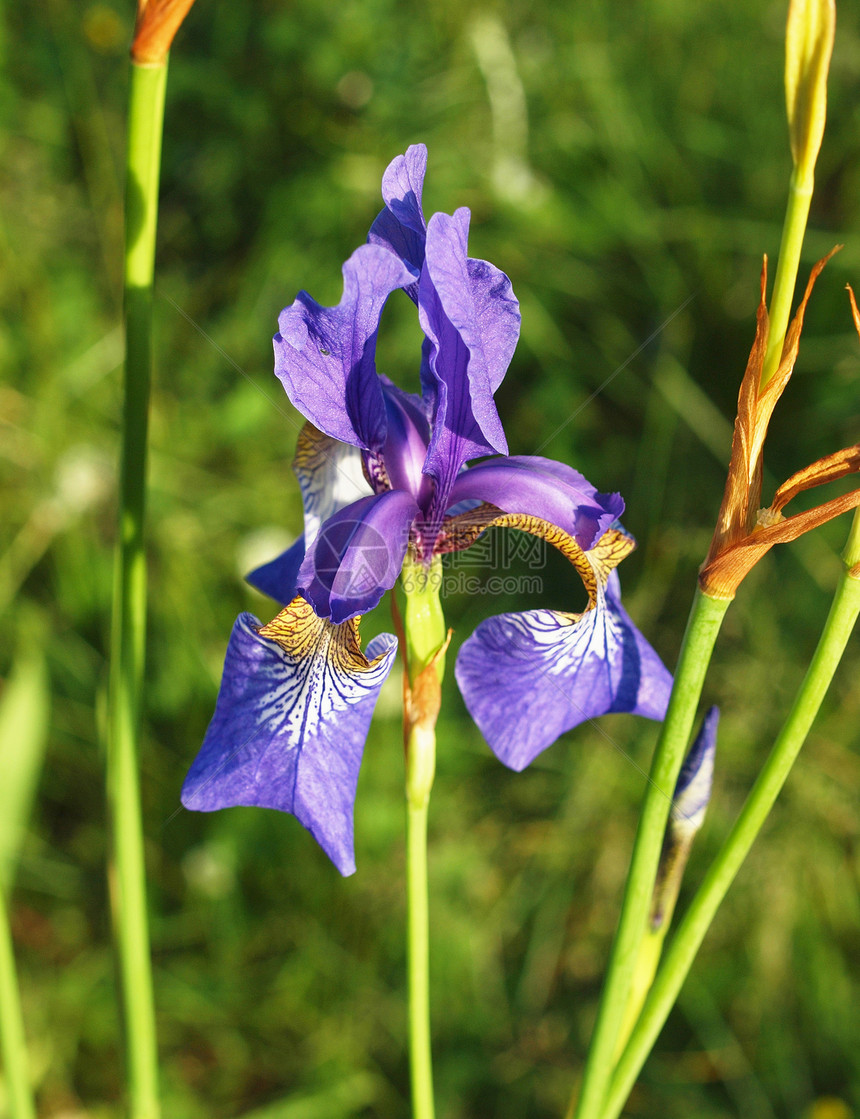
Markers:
744,532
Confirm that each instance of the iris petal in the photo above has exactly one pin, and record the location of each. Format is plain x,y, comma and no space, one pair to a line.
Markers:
406,442
279,577
325,356
358,555
401,227
528,678
468,312
290,723
545,489
594,566
330,477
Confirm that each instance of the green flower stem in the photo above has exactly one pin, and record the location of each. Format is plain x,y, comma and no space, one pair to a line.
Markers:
851,555
146,115
418,942
423,621
19,1094
702,628
425,636
670,874
691,932
788,262
643,976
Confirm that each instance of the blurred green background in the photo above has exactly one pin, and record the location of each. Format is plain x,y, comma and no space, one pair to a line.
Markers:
626,164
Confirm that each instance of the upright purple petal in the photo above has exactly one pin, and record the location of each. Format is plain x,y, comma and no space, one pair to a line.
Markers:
290,723
542,488
497,311
325,356
528,678
330,477
400,227
468,312
358,555
406,443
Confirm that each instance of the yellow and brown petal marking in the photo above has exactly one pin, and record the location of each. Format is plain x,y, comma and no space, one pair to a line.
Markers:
301,634
593,566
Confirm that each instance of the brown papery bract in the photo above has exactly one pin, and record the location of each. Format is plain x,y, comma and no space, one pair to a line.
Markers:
744,531
157,24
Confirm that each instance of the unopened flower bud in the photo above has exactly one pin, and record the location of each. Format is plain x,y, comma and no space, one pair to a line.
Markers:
689,804
808,47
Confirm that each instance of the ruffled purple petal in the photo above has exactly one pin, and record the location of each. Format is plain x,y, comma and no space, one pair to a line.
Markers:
542,488
468,312
400,227
497,311
358,555
325,356
528,678
290,723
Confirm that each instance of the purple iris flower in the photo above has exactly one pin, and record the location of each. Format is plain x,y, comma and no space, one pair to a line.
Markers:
384,478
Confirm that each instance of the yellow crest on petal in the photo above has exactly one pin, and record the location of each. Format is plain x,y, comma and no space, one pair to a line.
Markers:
299,631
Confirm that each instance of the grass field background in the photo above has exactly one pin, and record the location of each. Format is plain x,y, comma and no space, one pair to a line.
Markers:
626,164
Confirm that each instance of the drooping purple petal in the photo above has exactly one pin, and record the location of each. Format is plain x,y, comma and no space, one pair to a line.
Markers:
400,227
358,555
279,577
468,312
330,477
290,723
542,488
528,678
325,356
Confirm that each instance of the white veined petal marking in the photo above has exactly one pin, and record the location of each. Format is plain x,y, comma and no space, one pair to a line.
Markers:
321,671
330,477
566,638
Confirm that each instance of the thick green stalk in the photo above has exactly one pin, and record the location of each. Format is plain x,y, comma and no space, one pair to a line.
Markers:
12,1042
423,621
702,628
146,115
851,555
697,920
424,632
643,976
418,943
